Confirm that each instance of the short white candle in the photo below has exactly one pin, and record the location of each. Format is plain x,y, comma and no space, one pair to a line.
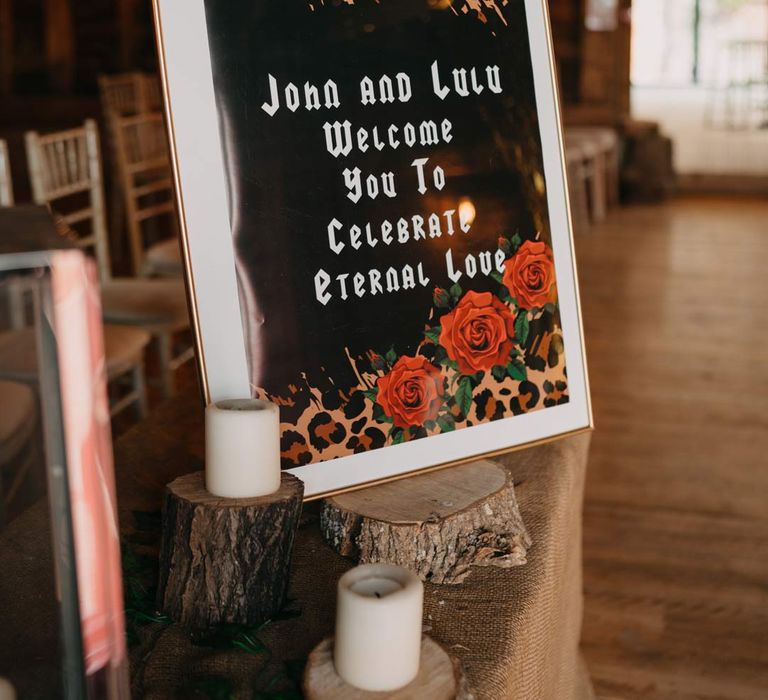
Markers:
242,448
7,691
378,627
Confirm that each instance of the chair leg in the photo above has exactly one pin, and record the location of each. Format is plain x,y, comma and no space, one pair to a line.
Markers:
164,340
578,197
598,190
140,388
613,177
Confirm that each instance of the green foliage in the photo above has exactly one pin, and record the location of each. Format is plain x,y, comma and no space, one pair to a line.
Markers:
499,373
441,356
397,435
391,357
139,576
464,395
379,416
516,242
433,334
517,371
232,637
522,327
455,293
446,422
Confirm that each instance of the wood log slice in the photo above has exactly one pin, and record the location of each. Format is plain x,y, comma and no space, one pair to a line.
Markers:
226,560
437,524
440,677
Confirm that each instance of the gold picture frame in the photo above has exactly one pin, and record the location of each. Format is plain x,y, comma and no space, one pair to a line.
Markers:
186,69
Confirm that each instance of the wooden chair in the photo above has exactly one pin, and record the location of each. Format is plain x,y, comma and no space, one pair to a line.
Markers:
129,93
124,348
578,179
606,141
6,188
67,164
122,95
593,168
145,178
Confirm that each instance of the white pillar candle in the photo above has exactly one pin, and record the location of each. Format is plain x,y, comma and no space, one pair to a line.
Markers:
7,691
378,627
242,448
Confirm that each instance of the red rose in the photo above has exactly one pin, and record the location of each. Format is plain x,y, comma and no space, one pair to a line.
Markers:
479,333
412,392
530,275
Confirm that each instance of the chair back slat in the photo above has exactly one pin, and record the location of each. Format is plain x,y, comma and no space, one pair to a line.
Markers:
122,94
145,172
6,187
67,163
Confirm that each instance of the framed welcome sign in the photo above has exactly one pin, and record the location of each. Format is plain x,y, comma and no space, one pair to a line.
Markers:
376,225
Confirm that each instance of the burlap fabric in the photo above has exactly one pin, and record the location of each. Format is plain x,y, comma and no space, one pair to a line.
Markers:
515,631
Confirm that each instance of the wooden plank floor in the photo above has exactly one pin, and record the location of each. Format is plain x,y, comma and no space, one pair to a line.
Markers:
675,305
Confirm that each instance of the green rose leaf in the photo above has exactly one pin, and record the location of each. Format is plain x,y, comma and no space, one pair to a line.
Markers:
371,394
464,395
455,292
446,423
499,373
378,414
391,357
440,355
433,334
522,327
517,371
516,241
452,364
397,435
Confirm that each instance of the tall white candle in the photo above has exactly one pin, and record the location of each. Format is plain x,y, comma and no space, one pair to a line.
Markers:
378,627
242,448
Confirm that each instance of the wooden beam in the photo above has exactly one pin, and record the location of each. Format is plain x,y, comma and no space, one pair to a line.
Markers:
6,46
60,44
127,30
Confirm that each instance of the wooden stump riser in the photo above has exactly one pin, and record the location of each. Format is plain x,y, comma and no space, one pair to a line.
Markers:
441,677
225,561
442,546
